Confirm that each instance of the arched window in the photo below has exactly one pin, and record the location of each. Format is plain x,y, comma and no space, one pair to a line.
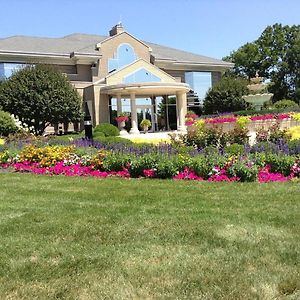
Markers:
124,56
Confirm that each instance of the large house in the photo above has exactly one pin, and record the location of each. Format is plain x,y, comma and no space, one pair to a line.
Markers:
120,73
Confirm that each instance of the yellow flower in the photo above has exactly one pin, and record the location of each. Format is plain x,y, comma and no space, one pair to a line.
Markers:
243,121
294,132
296,116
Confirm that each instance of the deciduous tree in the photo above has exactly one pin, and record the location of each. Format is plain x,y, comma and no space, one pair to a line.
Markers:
39,96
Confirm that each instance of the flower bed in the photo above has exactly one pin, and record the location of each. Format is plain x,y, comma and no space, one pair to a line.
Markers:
234,119
209,166
228,122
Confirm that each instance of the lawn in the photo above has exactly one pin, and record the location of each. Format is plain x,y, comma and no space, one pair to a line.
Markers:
89,238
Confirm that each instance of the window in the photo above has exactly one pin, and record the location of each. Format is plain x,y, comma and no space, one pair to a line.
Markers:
7,69
124,56
200,83
142,75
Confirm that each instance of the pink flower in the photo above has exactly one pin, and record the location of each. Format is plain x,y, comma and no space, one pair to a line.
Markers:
221,120
121,119
149,173
187,174
264,175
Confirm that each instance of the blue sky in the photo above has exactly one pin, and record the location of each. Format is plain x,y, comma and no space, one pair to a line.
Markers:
207,27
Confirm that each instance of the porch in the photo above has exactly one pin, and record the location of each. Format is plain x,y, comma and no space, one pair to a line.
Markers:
152,90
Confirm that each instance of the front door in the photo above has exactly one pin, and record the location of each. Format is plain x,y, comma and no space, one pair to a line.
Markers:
145,112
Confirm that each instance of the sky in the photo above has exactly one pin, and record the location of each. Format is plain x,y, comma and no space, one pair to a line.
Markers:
208,27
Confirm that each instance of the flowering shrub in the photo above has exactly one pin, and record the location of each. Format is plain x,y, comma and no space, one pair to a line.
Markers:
149,173
295,170
265,175
211,164
46,156
294,132
296,117
243,169
187,174
221,120
4,156
190,118
242,121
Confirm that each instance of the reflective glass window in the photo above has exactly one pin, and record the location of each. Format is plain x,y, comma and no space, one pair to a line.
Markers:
124,56
200,83
7,69
142,75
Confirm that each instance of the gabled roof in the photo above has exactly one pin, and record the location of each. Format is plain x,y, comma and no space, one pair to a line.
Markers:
138,64
86,44
121,33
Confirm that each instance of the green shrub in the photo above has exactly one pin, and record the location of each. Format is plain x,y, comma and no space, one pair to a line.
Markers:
207,137
147,161
201,167
7,124
166,168
115,162
246,171
107,129
285,103
234,149
280,163
98,134
238,135
294,144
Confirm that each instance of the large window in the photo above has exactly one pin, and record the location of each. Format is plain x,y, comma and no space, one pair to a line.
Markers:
7,69
124,56
200,83
141,75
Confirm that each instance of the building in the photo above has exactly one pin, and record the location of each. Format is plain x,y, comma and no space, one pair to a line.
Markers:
120,73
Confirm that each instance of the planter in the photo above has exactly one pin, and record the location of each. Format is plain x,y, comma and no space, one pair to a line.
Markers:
146,128
123,131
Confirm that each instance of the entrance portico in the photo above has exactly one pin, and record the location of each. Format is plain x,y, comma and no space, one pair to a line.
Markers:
141,90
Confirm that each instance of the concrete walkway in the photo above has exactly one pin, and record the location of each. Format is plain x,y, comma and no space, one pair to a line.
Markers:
163,135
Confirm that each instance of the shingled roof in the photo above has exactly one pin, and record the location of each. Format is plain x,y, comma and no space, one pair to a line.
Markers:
85,44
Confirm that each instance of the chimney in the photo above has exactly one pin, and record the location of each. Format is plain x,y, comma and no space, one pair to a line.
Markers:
116,29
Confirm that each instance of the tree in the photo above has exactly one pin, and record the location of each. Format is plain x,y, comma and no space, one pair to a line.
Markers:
226,96
276,56
39,96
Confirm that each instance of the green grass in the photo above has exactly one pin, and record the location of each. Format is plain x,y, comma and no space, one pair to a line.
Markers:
87,238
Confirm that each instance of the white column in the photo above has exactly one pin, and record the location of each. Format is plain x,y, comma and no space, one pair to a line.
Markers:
134,126
181,103
119,104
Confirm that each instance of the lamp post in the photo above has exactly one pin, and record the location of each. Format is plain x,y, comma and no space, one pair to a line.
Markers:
88,128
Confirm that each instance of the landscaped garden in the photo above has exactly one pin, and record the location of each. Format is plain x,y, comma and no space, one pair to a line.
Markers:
204,153
210,214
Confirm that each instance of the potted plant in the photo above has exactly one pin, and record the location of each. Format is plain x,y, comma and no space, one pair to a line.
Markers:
121,119
145,124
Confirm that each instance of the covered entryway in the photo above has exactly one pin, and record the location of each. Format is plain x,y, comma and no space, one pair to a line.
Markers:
134,91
